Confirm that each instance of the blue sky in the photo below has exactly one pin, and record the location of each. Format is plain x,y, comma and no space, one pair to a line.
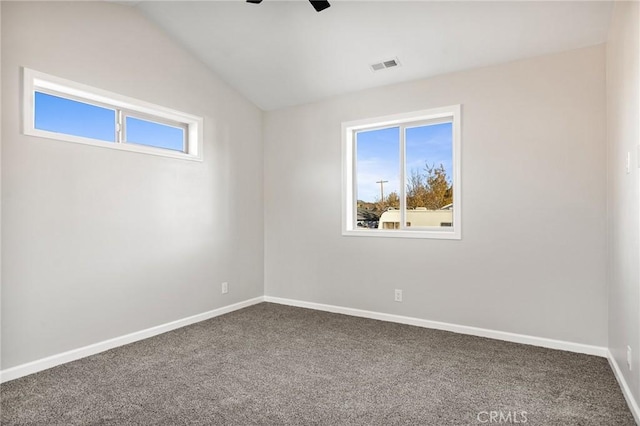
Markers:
149,133
61,115
378,154
71,117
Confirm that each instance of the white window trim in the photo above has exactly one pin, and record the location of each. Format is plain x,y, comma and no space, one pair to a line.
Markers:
349,208
38,81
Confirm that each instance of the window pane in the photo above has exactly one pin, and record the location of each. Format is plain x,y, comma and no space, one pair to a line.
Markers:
378,178
143,132
429,173
70,117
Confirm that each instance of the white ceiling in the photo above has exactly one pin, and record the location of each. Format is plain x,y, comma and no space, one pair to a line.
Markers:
283,53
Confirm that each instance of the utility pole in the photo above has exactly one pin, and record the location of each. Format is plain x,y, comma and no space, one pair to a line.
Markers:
382,182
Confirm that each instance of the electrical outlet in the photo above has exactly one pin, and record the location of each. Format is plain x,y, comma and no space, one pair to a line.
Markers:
398,295
225,288
629,357
628,163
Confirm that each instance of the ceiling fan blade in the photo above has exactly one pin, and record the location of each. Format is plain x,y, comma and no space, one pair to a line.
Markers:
319,5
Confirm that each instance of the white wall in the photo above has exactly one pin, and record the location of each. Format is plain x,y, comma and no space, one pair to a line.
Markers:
533,252
98,243
623,108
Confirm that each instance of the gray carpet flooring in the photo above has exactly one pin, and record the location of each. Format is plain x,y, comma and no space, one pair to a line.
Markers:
278,365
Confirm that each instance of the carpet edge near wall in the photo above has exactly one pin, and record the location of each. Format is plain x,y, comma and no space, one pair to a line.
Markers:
624,386
75,354
599,351
51,361
544,342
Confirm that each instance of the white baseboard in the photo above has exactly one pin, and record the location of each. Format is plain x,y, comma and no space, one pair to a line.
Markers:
74,354
626,391
462,329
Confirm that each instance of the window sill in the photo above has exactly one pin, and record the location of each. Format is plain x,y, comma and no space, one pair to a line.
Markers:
434,235
141,149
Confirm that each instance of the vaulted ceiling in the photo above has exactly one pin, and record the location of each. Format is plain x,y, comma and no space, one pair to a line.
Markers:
283,53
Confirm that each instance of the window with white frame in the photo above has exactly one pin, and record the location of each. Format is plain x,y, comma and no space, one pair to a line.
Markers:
401,175
65,110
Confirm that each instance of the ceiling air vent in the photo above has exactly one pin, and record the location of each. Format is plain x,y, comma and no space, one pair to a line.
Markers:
385,64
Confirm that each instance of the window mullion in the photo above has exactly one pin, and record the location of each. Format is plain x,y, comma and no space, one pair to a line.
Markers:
119,127
403,153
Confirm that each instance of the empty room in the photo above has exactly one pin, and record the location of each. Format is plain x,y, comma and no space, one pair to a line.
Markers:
320,212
